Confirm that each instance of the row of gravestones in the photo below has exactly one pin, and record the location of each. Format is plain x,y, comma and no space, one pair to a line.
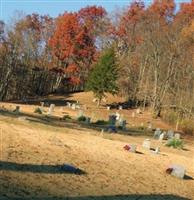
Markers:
115,119
158,134
175,170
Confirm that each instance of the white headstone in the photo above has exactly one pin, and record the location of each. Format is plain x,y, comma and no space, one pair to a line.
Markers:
157,133
133,148
170,134
146,143
120,107
157,150
73,106
178,171
161,137
51,109
117,116
177,136
42,104
108,107
138,111
149,125
69,104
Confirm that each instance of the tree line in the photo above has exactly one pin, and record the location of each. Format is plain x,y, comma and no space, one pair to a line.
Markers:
151,46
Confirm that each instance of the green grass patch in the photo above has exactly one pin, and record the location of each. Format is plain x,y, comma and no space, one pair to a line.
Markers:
175,143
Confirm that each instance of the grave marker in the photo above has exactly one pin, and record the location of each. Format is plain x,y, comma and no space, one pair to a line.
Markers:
157,133
177,136
120,107
177,171
170,134
51,109
146,144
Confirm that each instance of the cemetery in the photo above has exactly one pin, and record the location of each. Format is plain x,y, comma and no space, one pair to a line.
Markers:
113,136
96,100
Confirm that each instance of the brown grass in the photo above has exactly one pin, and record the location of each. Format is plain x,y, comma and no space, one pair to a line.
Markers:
110,170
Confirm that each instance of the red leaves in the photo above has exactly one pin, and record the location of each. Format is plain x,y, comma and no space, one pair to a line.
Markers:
164,8
70,40
72,68
90,15
75,81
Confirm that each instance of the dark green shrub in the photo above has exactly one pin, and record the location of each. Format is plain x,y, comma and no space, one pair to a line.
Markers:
175,143
38,111
66,117
101,122
81,119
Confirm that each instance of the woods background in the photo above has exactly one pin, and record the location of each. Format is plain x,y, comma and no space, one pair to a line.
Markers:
154,48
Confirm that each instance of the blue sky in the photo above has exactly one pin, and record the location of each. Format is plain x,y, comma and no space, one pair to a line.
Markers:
55,7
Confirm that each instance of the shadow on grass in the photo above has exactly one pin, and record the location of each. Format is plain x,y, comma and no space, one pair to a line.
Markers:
186,177
113,197
60,101
33,168
71,123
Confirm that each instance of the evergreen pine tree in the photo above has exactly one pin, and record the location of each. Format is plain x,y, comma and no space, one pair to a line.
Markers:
103,77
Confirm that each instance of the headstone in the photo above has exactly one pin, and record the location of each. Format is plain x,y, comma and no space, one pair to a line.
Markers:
88,120
146,144
133,114
157,133
133,148
170,134
177,136
22,118
138,111
51,109
42,104
17,110
73,106
120,107
130,147
122,124
68,104
108,108
149,125
112,119
161,137
112,123
157,150
117,116
102,132
77,106
177,171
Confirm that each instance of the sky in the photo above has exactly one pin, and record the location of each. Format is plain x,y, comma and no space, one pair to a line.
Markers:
8,8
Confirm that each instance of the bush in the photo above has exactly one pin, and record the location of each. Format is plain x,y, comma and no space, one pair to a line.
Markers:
187,126
101,122
81,119
175,143
66,117
38,110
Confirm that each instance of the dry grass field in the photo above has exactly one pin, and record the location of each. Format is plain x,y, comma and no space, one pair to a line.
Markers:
33,151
